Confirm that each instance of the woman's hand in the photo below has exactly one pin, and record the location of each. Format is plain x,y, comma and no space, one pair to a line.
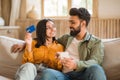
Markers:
28,40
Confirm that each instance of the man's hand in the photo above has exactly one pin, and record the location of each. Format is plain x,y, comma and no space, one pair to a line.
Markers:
17,48
69,63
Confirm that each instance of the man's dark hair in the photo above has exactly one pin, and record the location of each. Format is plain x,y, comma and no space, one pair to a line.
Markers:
82,13
41,32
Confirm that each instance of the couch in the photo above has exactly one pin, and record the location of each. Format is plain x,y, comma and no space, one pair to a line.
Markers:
9,62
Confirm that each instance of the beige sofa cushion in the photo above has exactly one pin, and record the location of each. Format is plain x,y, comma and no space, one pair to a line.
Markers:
111,61
9,62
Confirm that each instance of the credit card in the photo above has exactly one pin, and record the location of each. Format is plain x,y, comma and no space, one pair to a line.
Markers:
30,29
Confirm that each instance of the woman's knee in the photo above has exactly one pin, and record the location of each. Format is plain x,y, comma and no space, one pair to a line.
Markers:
26,71
28,67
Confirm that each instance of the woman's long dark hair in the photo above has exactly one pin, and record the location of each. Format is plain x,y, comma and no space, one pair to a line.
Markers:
41,32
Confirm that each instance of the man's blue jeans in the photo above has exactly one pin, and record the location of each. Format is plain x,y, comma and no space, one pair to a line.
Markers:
94,72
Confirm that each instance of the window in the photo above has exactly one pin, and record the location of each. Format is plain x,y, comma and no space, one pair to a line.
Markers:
60,8
83,3
55,8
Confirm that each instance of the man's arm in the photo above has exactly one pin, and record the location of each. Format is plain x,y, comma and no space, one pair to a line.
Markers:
96,56
18,47
63,40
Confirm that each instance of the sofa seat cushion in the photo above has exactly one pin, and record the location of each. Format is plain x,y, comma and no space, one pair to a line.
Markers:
9,62
111,61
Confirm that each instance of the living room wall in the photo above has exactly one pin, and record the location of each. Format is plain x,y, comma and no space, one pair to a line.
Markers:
109,8
106,25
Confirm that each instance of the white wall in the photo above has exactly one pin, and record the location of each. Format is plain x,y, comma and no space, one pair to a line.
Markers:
109,8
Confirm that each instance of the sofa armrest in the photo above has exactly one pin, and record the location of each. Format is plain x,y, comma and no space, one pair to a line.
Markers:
111,63
9,62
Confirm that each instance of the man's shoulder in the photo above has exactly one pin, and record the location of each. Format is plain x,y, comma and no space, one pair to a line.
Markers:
94,39
64,37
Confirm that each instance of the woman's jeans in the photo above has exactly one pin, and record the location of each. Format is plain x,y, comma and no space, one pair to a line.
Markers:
26,71
94,72
29,71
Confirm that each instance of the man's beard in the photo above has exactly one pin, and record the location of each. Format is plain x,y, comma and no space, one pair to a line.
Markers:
74,32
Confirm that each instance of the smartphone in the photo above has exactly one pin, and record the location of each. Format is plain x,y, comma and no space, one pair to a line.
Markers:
30,29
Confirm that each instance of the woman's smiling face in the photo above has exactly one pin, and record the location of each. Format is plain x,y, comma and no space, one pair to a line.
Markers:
50,29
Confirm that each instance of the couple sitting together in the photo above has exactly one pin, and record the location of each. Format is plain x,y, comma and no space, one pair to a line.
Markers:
77,56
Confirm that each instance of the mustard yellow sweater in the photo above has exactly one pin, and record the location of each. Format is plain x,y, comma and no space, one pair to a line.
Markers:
44,54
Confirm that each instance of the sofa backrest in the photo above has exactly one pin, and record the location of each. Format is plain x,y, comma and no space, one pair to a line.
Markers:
111,62
9,62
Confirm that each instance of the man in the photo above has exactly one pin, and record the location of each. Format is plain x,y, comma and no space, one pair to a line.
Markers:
86,51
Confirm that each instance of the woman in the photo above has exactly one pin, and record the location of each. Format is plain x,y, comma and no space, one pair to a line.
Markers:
42,49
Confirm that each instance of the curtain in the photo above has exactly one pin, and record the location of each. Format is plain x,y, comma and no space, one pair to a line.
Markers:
0,8
15,11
